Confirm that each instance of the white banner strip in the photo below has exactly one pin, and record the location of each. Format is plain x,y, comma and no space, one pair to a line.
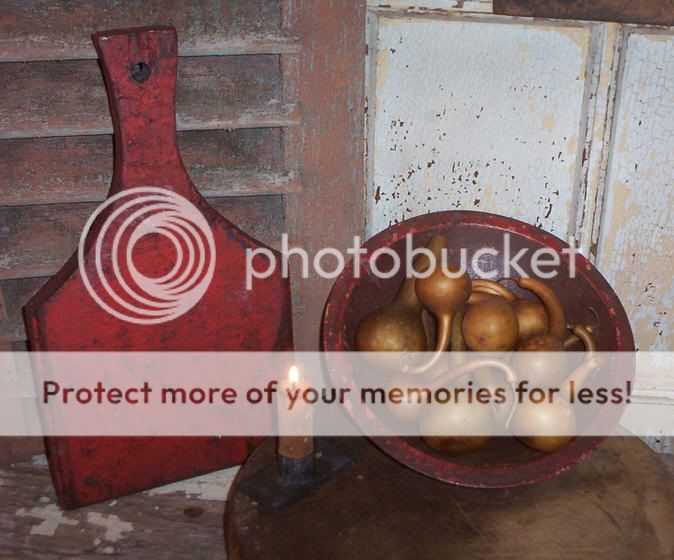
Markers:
334,394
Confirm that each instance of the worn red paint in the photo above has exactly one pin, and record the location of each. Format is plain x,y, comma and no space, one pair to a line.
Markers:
62,316
507,463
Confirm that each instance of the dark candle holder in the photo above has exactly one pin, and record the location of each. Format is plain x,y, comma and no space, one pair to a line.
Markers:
296,471
288,480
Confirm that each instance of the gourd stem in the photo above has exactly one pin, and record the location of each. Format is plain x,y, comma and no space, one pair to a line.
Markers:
571,340
457,344
580,375
593,361
471,366
491,287
443,337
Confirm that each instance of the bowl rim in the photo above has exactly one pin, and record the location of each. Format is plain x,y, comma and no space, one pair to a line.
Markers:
515,474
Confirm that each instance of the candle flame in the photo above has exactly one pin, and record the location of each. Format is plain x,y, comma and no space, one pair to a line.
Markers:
293,375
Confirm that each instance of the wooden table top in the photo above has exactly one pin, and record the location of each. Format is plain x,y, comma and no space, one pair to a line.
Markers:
184,520
618,504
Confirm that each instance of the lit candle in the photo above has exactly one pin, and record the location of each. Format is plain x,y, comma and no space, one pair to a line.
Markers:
295,424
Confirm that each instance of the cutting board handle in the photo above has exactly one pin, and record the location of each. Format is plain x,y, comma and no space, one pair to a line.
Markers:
139,66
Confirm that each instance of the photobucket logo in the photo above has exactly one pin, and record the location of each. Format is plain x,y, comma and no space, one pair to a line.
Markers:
544,262
126,292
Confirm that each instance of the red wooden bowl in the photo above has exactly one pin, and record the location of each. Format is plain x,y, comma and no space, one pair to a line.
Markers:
504,461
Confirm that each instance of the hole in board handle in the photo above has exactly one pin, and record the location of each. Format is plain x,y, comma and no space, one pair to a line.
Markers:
140,72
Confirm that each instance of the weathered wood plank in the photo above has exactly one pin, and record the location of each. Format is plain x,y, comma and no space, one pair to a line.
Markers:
61,29
39,99
635,239
3,306
17,293
432,6
79,168
659,12
37,240
330,207
598,134
15,449
182,520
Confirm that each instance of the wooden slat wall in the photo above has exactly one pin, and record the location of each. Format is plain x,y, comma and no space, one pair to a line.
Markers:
68,98
79,168
241,136
233,105
61,29
38,239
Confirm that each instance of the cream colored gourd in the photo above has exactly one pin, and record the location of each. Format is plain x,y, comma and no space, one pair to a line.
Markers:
555,418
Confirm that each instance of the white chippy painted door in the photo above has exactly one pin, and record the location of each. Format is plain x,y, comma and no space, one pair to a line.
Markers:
520,117
635,237
480,114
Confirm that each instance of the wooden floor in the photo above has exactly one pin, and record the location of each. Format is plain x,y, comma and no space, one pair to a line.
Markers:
182,520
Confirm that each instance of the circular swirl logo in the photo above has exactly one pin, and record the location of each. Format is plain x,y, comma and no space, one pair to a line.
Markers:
147,224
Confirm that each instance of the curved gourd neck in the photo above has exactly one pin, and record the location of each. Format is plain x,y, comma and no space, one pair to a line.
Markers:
407,297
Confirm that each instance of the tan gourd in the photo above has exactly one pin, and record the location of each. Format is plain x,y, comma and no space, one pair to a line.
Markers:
542,367
486,291
408,411
490,326
553,306
397,328
443,295
532,318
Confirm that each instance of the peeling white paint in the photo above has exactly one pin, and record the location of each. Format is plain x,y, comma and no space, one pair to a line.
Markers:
212,486
40,460
608,44
481,6
52,517
636,244
114,526
476,114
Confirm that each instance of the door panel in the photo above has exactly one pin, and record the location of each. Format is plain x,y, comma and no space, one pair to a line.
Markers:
480,114
636,240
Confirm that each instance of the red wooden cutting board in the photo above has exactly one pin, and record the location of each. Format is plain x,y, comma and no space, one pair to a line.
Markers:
139,66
